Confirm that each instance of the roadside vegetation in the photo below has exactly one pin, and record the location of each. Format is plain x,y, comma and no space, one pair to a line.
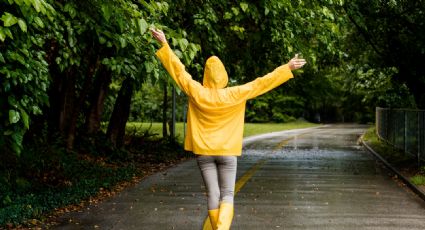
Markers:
404,163
252,129
51,180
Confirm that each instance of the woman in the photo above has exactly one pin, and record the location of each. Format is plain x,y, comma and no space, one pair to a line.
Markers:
215,122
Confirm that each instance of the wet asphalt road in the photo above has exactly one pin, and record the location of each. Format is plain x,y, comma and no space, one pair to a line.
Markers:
316,178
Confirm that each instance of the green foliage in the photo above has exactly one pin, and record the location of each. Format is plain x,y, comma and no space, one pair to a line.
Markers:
390,35
24,71
49,177
377,88
46,177
275,106
44,35
148,102
153,129
254,37
418,179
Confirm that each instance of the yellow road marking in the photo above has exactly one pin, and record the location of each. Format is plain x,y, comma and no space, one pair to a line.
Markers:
247,175
245,178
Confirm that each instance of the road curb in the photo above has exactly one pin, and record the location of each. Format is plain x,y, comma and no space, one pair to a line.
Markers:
405,180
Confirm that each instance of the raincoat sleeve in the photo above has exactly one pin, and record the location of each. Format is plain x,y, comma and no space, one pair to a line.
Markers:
264,84
177,71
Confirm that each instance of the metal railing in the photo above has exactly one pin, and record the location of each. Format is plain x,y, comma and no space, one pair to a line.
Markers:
403,129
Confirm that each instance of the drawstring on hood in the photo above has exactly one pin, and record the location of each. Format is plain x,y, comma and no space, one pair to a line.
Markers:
215,75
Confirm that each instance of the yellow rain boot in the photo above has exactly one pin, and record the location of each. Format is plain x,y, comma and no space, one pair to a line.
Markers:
225,216
213,214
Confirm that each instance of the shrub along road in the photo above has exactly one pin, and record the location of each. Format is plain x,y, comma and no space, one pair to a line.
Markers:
316,178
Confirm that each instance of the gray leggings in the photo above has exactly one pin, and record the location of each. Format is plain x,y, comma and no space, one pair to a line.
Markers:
219,174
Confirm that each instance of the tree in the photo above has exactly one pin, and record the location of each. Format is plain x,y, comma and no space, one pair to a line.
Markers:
61,57
395,31
23,70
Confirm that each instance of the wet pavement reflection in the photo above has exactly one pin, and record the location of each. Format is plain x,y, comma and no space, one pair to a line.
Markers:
322,179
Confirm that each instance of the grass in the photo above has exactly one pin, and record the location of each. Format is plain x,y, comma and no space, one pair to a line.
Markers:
404,163
392,155
250,129
418,180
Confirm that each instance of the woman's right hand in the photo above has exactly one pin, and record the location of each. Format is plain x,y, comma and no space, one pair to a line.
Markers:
296,63
159,36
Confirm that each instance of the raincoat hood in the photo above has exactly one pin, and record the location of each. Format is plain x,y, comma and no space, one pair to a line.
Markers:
215,75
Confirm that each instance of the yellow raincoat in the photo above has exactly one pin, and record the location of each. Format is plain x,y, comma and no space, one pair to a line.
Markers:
216,114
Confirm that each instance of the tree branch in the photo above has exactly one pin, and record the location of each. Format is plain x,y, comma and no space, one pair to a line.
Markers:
362,31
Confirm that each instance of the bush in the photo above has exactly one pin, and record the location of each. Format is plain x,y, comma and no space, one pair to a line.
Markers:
47,177
46,181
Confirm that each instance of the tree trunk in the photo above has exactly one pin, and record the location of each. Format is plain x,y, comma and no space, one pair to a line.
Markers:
120,114
97,99
62,101
164,111
61,94
78,106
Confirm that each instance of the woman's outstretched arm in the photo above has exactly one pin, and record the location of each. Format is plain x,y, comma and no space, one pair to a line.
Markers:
174,66
270,81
